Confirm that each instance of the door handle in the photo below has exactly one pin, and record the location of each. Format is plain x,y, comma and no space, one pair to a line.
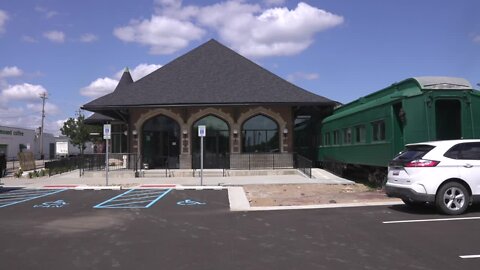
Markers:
468,165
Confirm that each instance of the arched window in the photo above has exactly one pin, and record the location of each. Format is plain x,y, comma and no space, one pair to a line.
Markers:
260,134
216,144
160,142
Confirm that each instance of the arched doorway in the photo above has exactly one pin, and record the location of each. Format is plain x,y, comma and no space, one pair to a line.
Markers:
161,142
260,135
216,144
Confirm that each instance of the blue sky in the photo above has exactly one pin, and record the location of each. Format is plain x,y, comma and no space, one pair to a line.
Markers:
340,49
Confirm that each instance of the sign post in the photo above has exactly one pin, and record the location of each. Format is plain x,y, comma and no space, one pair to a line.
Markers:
107,134
202,131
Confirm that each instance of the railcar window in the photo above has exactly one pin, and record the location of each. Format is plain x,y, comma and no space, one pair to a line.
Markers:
336,137
360,134
347,136
327,138
378,131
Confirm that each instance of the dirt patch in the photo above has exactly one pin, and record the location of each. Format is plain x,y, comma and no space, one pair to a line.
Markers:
307,194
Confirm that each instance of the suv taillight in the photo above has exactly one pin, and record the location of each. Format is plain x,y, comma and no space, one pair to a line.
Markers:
421,163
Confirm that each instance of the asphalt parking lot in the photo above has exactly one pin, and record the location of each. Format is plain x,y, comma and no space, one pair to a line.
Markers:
190,229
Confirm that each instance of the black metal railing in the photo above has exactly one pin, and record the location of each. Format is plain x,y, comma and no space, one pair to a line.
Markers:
93,162
254,161
62,165
3,165
116,162
304,165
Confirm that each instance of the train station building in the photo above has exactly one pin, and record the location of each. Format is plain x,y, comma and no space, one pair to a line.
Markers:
247,110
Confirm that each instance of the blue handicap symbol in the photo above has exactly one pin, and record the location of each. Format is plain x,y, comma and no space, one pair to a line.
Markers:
55,204
190,202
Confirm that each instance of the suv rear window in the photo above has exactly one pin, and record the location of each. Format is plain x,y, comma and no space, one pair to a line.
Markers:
413,152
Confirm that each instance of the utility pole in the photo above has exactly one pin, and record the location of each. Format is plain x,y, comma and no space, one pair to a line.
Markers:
43,96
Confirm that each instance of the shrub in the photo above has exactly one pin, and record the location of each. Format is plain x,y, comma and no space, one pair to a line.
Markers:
18,173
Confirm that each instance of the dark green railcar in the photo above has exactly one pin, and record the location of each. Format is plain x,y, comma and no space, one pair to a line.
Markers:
369,132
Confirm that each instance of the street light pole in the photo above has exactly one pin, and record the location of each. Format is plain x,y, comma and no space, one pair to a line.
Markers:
43,96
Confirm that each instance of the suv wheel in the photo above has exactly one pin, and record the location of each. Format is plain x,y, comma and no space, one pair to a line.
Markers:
452,198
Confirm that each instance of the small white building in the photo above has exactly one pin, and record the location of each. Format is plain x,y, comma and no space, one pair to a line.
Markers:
14,140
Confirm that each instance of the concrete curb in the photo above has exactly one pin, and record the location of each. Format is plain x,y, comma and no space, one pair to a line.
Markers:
98,188
315,206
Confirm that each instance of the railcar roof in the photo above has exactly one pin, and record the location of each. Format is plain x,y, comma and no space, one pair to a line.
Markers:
433,83
401,89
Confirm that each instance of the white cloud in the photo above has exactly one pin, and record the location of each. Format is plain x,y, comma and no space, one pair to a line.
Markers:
476,39
103,86
55,36
3,20
302,76
10,72
250,29
164,35
20,104
275,31
50,108
23,91
99,87
29,39
139,71
88,38
46,12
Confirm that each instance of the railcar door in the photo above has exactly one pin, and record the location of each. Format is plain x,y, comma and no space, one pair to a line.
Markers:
399,122
448,119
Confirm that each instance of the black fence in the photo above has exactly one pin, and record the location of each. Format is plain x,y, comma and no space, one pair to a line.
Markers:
254,161
128,161
94,162
304,165
3,165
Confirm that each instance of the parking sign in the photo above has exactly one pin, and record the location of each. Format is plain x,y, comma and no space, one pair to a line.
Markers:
107,131
202,131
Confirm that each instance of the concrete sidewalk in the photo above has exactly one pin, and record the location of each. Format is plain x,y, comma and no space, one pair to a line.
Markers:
73,178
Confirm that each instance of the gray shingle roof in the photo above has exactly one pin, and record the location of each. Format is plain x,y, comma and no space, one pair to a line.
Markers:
98,118
209,74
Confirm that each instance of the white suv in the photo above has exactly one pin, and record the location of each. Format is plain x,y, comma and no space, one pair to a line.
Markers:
446,173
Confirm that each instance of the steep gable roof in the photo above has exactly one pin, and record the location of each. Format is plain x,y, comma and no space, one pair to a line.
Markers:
209,74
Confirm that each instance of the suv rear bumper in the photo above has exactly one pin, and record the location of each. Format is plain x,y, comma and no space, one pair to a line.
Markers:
408,194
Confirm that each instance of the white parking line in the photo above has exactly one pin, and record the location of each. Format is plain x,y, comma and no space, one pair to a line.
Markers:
429,220
470,256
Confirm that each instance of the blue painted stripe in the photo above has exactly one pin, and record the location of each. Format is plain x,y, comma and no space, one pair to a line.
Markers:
118,196
159,197
119,205
11,194
134,199
34,197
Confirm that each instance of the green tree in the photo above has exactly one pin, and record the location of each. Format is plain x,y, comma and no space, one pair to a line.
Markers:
78,132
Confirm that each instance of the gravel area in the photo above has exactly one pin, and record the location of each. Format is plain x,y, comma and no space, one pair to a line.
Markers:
308,194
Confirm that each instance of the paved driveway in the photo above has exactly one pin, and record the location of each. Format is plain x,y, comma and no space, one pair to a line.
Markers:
195,230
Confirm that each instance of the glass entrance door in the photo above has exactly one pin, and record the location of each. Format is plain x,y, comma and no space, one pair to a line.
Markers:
216,144
160,143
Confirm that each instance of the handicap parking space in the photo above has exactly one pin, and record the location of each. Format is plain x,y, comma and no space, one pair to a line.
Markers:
9,197
134,198
20,200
